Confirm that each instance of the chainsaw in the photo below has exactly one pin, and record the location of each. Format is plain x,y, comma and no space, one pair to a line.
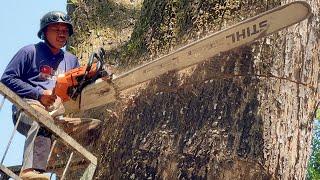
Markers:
243,33
70,84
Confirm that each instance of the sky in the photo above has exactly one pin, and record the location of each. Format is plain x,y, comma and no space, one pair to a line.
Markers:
20,21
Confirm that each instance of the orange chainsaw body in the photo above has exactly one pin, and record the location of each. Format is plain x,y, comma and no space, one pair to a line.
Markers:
65,82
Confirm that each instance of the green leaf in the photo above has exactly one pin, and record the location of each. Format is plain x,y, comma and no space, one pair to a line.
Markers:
72,49
72,1
314,160
318,114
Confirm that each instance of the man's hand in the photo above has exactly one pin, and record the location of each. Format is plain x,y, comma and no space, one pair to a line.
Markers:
47,98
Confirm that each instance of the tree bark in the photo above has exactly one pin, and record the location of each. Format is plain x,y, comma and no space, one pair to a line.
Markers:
245,114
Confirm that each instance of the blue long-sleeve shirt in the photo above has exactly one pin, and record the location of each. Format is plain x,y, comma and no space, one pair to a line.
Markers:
34,68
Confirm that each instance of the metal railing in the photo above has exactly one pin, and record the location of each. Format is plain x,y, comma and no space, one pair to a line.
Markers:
46,121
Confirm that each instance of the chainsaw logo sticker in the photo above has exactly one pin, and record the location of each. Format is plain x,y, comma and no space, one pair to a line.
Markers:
249,31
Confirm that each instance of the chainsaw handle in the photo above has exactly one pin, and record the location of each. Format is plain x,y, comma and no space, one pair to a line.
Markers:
90,62
101,53
84,80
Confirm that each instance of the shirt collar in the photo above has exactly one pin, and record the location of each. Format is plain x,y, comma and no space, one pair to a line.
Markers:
46,48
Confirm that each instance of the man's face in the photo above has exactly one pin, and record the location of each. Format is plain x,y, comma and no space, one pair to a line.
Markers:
57,34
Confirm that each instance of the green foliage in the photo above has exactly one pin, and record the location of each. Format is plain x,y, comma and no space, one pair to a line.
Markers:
72,49
72,2
314,161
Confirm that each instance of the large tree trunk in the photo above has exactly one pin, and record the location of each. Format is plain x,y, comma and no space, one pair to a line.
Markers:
245,114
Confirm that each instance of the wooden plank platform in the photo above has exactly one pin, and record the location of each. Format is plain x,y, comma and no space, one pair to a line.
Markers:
47,121
8,173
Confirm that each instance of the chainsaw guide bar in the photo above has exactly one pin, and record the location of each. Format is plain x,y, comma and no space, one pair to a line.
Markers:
103,92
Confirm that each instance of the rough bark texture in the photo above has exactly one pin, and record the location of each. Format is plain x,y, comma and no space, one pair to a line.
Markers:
245,114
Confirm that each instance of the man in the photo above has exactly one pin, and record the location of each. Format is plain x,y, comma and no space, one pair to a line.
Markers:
32,75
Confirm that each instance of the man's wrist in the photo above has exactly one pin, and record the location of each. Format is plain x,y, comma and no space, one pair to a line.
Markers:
40,93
